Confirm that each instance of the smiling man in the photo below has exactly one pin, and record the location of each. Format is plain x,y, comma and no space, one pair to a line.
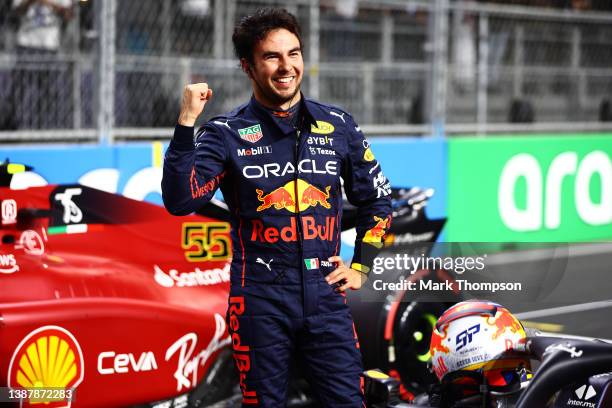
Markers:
279,160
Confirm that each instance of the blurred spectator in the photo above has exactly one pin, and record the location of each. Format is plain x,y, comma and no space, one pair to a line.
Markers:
605,110
37,85
464,53
196,8
581,5
40,23
603,5
5,22
521,111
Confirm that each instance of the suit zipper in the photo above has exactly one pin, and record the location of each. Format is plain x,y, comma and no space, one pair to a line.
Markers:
296,192
298,219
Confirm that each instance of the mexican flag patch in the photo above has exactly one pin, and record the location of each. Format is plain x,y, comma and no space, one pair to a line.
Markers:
312,263
251,133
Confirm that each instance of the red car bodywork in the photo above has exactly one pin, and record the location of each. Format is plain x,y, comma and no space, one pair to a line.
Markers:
109,295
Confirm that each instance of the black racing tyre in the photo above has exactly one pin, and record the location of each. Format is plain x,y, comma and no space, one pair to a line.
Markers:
220,383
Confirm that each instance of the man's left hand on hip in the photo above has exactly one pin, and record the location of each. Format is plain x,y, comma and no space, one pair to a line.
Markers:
347,277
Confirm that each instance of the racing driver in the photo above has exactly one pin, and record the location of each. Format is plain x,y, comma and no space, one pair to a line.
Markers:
280,161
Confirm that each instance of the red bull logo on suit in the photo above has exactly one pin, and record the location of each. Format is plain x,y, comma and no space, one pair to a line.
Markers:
284,197
310,230
375,234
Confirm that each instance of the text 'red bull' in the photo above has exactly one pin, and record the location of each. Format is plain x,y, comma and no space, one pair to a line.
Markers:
310,230
241,351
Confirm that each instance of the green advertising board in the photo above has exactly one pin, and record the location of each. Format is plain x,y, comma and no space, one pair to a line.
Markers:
542,188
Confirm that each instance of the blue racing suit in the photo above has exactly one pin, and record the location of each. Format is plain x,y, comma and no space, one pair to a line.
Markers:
282,184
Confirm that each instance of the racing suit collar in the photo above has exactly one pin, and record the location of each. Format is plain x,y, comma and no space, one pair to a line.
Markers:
264,114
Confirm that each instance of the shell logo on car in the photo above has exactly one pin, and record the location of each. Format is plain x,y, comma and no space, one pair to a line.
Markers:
48,357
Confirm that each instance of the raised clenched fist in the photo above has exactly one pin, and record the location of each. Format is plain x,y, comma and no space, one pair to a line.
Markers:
195,97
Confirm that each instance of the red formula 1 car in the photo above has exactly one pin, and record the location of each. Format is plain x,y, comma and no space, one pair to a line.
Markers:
110,296
121,302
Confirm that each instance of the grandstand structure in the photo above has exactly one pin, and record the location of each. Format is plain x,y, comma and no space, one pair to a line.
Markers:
402,67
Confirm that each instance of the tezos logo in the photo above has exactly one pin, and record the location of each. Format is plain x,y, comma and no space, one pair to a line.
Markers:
545,191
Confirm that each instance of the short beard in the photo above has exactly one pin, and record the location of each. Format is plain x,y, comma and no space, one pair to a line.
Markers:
280,100
275,98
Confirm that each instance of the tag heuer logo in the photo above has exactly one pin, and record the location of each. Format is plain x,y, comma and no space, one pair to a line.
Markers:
251,134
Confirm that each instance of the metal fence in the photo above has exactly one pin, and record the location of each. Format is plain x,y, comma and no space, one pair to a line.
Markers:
401,67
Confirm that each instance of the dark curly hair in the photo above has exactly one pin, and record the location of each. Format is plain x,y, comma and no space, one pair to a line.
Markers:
254,28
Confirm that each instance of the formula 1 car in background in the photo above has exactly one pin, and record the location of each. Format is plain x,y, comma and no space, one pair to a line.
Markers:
572,372
124,303
111,297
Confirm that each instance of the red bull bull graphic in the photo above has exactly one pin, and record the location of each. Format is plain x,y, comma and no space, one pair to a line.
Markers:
313,196
375,234
504,320
284,197
279,199
436,342
289,233
48,357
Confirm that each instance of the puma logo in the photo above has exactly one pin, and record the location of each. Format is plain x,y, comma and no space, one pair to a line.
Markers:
261,261
340,115
218,122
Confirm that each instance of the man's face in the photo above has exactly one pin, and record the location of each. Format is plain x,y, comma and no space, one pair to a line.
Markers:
277,70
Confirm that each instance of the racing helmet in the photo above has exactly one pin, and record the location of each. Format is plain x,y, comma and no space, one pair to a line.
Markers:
480,338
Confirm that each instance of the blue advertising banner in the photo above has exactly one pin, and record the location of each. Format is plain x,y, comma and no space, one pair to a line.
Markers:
133,170
410,162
